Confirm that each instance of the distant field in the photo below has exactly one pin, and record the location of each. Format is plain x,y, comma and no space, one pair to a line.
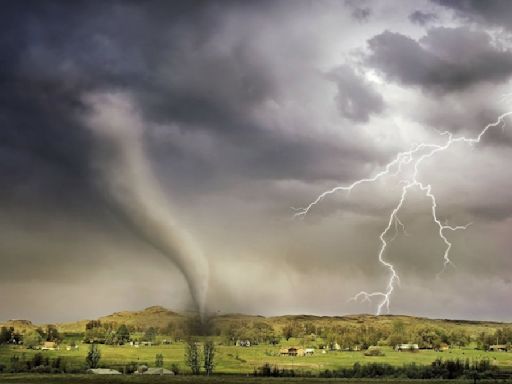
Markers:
242,360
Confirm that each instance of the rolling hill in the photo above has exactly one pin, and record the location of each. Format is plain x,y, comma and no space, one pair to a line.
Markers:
160,317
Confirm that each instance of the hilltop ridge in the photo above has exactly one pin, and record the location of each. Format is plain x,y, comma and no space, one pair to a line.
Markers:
159,317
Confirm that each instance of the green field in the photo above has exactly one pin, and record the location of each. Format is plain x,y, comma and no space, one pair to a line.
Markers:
243,360
122,379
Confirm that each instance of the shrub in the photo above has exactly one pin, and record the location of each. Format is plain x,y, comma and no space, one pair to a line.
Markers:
175,368
374,351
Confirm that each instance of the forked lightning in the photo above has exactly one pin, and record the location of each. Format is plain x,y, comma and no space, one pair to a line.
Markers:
412,158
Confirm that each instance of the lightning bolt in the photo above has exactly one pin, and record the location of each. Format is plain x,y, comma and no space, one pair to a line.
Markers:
413,157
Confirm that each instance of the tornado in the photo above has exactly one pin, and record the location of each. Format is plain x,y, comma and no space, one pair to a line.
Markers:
126,179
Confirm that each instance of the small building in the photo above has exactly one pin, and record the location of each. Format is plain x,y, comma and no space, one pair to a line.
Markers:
498,348
103,371
292,351
243,343
309,352
407,348
49,346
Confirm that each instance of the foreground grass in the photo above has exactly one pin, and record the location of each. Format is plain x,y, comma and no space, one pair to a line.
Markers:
216,379
240,360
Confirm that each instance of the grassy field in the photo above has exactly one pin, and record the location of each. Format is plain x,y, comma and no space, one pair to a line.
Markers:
216,379
243,360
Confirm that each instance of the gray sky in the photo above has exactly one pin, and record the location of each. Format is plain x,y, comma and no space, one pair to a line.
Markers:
243,110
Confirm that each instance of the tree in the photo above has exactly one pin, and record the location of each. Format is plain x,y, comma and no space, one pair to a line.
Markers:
94,332
6,334
159,360
52,334
150,334
291,329
92,324
32,339
398,334
122,334
209,355
192,357
93,356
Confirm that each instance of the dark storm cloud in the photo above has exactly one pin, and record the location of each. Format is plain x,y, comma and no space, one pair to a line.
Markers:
246,109
493,12
180,69
356,99
359,10
169,57
445,60
422,18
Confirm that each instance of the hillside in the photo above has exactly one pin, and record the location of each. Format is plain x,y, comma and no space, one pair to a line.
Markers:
160,317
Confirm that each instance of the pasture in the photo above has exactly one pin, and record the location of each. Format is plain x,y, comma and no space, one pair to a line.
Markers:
244,360
217,379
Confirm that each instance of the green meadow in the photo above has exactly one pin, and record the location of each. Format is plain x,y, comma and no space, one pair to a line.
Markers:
243,360
217,379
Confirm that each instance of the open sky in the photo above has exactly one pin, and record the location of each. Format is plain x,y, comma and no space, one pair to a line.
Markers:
129,126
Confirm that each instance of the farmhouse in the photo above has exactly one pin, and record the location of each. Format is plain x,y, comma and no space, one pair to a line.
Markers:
292,351
498,348
407,347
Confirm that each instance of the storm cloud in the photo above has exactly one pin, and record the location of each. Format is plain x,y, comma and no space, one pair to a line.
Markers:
493,12
245,110
444,60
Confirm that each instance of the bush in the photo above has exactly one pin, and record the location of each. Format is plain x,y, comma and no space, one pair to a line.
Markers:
38,364
266,370
374,351
439,369
130,368
175,368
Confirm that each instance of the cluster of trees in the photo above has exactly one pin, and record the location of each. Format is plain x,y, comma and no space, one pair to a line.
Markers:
439,369
193,357
37,364
9,336
501,336
31,338
363,336
107,333
256,332
112,333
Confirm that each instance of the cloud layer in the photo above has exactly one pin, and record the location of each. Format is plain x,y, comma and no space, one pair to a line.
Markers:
247,109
